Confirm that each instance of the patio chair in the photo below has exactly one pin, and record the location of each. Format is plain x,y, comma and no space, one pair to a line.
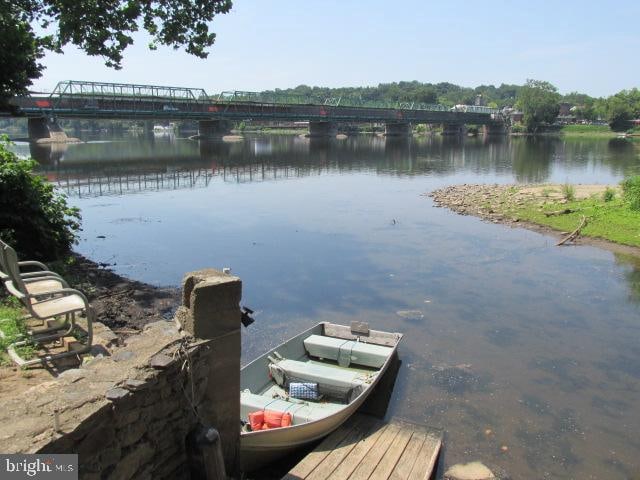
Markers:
40,283
44,306
40,279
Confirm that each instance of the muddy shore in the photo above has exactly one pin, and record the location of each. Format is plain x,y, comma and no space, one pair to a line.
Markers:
123,305
488,202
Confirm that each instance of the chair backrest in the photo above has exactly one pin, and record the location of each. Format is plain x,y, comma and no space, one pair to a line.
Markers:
4,275
16,286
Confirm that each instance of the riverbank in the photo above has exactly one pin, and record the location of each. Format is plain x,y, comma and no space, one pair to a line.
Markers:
124,306
557,210
599,131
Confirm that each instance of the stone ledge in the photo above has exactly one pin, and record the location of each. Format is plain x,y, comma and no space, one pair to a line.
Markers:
28,418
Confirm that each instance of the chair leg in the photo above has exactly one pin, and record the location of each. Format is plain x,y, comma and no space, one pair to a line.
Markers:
69,325
88,343
51,329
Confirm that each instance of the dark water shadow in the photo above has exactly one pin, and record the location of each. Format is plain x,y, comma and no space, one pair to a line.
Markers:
631,274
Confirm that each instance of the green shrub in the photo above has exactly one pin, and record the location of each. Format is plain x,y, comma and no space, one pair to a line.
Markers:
631,191
608,194
34,218
568,192
13,328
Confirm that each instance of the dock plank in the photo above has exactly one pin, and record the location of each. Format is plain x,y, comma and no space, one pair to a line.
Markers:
392,455
335,458
311,461
426,458
346,468
373,456
408,458
365,448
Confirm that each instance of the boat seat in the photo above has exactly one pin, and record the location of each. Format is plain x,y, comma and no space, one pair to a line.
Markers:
301,412
335,377
346,352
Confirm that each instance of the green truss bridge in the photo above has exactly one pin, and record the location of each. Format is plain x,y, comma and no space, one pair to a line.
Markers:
79,99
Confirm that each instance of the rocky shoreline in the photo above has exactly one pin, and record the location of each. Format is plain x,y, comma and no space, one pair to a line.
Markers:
494,203
123,305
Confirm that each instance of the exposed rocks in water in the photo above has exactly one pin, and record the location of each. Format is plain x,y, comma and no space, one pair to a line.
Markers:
484,201
410,314
458,379
469,471
501,204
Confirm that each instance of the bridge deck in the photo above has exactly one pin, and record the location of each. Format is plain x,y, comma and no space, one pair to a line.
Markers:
366,448
76,99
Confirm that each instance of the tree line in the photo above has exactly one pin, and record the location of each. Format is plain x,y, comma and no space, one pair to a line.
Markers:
538,100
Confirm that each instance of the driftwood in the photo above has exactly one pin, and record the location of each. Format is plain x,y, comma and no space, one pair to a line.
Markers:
575,234
559,212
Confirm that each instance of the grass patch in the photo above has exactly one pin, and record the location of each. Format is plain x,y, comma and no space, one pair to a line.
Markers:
609,194
568,192
588,130
612,220
13,328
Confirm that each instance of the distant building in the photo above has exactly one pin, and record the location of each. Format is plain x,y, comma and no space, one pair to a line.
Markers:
565,109
479,101
516,116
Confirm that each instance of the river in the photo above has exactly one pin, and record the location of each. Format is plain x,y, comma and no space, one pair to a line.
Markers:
526,354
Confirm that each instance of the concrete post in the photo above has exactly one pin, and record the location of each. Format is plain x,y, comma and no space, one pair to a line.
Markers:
211,310
148,128
454,129
213,129
495,129
45,131
397,129
322,129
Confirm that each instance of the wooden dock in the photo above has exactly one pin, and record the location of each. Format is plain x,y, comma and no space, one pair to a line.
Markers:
367,448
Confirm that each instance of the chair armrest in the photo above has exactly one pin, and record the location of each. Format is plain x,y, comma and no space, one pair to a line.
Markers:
13,290
39,275
65,292
33,263
46,277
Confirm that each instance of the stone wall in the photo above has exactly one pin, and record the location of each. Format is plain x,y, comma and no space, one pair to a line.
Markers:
135,414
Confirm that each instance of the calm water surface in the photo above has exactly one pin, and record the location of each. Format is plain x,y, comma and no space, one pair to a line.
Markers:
509,341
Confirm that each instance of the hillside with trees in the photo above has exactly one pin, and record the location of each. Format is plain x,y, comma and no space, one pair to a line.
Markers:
441,93
539,99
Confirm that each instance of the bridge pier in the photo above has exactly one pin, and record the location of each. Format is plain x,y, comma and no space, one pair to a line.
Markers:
43,130
494,129
322,129
397,129
148,128
458,129
213,129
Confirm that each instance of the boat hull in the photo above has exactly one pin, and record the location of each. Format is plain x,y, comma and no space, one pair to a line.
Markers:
262,447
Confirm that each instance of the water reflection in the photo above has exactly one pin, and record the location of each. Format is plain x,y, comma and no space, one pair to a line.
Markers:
528,160
48,154
631,274
533,157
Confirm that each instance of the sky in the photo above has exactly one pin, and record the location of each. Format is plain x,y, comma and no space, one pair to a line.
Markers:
588,46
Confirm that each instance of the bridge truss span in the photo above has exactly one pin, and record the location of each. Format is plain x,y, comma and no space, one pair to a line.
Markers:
80,99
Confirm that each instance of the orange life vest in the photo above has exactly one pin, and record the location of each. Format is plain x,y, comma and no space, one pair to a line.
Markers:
266,419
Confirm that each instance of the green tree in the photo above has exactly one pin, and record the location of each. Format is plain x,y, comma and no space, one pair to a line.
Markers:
103,28
539,103
34,217
619,113
19,54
